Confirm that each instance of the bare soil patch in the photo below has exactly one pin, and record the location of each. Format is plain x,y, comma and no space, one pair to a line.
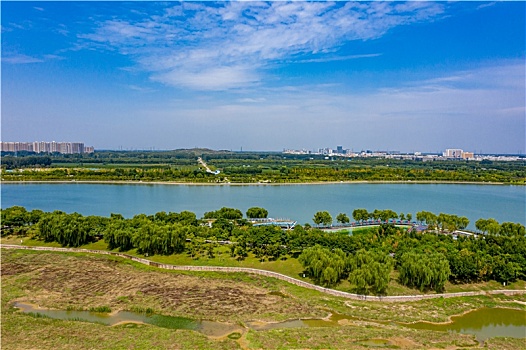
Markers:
74,281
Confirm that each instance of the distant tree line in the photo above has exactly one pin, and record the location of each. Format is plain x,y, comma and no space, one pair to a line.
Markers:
10,162
181,165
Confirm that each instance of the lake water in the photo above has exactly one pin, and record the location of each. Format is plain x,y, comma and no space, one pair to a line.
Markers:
296,202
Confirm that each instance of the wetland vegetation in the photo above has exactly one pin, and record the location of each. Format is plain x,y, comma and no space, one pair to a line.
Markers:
72,281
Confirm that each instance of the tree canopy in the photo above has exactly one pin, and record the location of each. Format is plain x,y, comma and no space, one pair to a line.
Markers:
322,217
257,213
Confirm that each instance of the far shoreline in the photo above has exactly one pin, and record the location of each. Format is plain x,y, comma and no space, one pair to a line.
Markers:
175,183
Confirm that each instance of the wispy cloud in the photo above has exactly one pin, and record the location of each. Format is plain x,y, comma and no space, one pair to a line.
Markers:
337,58
16,58
508,75
139,88
219,46
20,59
252,100
486,4
428,114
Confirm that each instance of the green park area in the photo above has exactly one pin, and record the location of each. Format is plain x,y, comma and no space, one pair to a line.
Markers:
384,260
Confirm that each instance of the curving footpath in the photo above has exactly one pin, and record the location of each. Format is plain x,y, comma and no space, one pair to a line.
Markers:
337,293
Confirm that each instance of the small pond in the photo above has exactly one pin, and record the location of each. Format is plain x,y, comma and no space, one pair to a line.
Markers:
484,323
209,328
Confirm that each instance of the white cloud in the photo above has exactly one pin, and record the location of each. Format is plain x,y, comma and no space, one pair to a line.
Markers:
228,45
139,88
486,4
216,78
338,58
252,100
20,59
461,108
53,57
16,58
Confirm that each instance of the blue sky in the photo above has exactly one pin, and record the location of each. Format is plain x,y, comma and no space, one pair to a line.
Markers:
407,76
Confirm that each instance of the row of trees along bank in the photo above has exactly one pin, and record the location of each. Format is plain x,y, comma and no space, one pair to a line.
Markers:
366,259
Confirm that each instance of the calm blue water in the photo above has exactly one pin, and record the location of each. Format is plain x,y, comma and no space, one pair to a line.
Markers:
297,202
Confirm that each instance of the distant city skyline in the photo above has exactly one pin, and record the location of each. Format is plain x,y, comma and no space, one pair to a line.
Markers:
413,76
46,147
79,147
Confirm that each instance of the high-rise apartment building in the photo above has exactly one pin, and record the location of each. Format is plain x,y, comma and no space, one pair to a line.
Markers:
453,153
458,154
46,147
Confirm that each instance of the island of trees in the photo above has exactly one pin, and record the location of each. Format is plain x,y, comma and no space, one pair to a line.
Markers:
368,258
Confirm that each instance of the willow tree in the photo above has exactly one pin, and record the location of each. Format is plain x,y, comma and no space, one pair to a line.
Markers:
324,266
370,272
424,271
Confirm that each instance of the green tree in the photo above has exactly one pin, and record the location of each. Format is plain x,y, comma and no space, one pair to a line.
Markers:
370,272
481,225
428,218
512,229
322,217
424,270
385,215
225,213
505,271
360,215
342,218
324,266
257,213
462,222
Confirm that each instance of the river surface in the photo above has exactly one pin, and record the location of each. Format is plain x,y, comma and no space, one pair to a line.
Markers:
296,202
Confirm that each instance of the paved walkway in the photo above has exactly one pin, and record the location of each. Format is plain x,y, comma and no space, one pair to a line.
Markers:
399,298
208,170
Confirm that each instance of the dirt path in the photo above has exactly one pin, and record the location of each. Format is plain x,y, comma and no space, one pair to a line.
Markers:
400,298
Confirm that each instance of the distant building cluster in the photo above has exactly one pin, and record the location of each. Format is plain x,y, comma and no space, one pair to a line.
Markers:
450,153
47,147
341,152
455,153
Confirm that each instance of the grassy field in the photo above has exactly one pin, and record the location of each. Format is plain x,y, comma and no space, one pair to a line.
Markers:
82,282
